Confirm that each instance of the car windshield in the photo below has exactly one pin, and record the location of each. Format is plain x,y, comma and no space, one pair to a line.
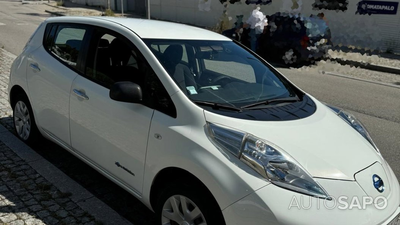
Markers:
219,72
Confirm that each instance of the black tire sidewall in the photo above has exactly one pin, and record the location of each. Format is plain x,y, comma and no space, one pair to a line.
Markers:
206,203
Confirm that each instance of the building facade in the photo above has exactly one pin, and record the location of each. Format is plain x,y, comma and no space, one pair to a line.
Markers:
137,6
369,25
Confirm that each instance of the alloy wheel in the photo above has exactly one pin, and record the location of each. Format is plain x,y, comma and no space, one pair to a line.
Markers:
180,210
22,120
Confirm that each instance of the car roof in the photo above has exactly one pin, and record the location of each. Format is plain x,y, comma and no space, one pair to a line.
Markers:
151,29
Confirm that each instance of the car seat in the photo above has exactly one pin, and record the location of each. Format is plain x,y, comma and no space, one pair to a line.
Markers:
120,56
181,73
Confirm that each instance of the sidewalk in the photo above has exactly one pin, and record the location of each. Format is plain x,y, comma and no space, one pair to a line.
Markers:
32,190
382,62
73,9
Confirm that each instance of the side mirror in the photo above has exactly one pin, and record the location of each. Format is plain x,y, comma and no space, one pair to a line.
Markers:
126,91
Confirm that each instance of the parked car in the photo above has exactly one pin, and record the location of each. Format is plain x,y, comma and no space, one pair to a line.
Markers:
295,38
198,128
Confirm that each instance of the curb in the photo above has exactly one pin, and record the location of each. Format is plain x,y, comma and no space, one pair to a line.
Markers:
33,2
56,6
55,13
359,79
368,66
80,196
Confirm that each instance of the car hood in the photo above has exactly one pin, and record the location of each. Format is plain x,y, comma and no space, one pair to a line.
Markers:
324,144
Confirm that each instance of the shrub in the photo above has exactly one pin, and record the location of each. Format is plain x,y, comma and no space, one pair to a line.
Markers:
108,12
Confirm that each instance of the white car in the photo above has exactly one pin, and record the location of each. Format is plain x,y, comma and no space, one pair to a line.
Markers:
197,127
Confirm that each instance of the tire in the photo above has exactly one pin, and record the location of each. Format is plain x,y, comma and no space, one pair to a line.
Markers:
24,120
195,200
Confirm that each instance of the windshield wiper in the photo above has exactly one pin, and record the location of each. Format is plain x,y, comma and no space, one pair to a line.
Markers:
267,102
215,105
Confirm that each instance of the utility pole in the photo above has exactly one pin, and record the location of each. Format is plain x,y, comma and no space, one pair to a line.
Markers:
122,7
148,9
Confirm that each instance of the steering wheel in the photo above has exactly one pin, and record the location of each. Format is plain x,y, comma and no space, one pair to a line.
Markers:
222,80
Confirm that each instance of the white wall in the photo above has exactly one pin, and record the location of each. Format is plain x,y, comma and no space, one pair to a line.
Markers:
348,29
186,11
92,2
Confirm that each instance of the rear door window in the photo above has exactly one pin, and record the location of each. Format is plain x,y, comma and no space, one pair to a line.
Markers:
113,58
66,42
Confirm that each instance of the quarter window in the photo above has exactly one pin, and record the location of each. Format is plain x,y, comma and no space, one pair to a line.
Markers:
65,43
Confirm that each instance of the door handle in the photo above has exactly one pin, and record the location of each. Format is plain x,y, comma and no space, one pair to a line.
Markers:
81,94
35,67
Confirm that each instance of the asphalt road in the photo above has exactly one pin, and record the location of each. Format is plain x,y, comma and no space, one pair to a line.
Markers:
17,23
377,106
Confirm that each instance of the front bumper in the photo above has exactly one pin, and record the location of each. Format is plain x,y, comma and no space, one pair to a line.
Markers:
275,205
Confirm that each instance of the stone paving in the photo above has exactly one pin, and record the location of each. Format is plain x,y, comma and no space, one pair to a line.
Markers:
26,198
5,110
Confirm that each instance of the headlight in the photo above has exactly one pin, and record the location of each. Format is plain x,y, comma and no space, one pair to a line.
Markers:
265,158
353,122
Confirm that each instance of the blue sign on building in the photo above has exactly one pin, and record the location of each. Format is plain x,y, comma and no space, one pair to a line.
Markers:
377,7
258,2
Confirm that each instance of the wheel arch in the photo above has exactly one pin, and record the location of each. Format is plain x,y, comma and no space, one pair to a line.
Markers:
175,174
15,90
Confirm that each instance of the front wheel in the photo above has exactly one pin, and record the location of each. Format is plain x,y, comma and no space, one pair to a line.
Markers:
184,205
24,122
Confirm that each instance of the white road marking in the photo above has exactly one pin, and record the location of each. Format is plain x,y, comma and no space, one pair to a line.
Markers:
2,24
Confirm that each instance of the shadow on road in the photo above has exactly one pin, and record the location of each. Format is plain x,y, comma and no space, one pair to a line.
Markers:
27,198
117,198
35,14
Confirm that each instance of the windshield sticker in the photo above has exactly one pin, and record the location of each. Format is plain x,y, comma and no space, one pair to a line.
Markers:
192,90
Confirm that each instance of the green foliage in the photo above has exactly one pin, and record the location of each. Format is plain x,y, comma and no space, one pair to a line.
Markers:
109,12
